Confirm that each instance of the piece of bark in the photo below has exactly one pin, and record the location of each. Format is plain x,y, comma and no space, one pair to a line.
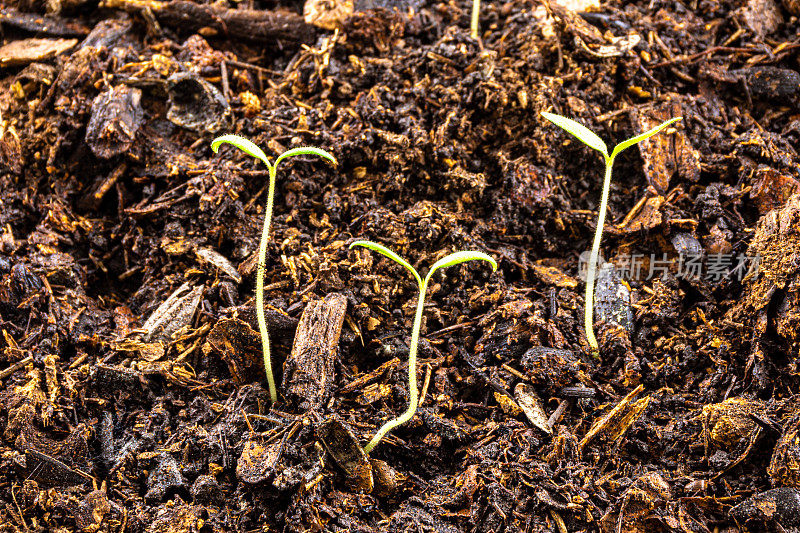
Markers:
27,51
117,115
613,425
240,347
665,154
343,446
258,463
281,326
41,25
771,83
771,188
308,371
252,25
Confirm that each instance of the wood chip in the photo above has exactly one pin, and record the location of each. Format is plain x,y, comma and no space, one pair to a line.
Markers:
240,347
762,17
616,422
531,405
342,445
207,255
27,51
176,312
308,372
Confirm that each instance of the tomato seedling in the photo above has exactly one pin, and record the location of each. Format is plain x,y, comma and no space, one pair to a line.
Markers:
450,260
251,149
590,139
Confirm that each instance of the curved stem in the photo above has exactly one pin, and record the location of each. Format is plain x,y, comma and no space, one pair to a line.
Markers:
262,259
598,236
413,393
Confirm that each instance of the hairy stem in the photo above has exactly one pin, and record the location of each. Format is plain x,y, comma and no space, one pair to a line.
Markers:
413,393
262,260
592,271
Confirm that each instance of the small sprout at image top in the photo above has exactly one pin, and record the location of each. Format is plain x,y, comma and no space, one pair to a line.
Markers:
251,149
475,19
590,139
450,260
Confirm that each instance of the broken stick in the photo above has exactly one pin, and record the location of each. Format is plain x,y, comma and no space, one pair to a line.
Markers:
249,24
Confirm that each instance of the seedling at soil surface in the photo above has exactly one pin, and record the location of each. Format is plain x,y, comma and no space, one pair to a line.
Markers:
476,13
251,149
450,260
590,139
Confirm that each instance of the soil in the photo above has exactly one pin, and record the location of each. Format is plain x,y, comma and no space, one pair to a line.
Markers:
133,391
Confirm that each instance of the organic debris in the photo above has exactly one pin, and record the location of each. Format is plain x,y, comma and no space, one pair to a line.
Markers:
134,397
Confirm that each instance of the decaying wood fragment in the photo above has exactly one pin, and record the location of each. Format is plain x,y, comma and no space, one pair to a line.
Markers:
258,462
101,187
772,188
327,14
370,377
27,51
764,511
784,466
762,17
613,425
240,347
40,25
308,371
591,40
342,445
531,405
16,366
117,115
253,25
665,155
771,83
731,425
176,311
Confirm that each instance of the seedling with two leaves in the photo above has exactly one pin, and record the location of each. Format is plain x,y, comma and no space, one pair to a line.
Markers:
450,260
251,149
591,139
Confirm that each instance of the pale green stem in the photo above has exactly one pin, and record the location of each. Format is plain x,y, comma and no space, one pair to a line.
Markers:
413,393
262,260
598,235
476,11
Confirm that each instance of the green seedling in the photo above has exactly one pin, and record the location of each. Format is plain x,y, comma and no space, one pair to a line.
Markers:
450,260
251,149
476,13
590,139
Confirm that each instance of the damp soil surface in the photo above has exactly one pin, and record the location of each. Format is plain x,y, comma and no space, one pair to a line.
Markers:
133,392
